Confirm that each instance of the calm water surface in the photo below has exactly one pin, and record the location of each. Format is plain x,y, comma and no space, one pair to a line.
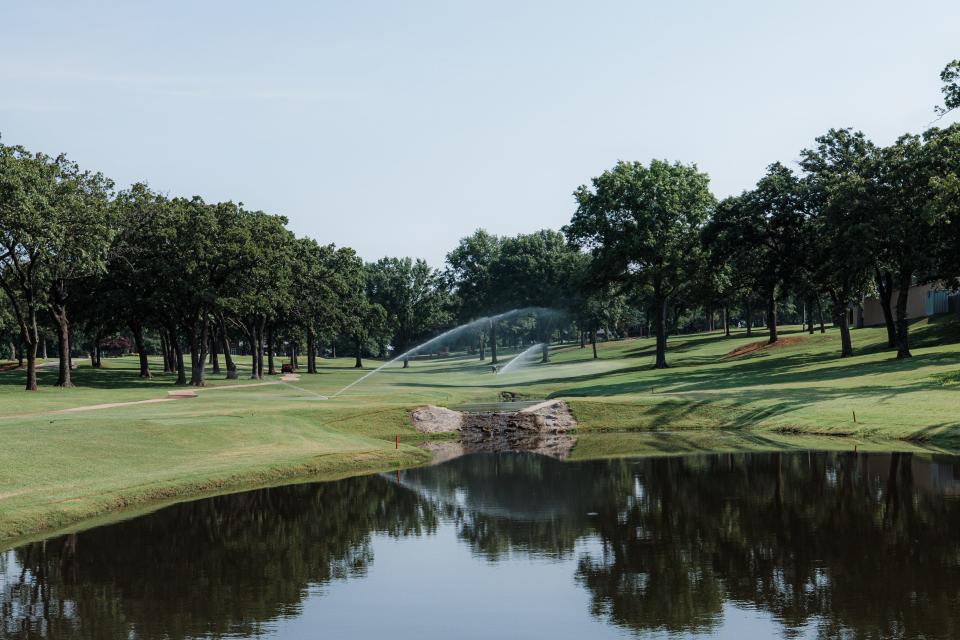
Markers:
798,545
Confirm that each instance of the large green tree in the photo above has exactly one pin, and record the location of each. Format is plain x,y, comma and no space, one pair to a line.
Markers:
470,275
53,230
642,225
414,297
950,76
910,224
79,204
540,270
839,230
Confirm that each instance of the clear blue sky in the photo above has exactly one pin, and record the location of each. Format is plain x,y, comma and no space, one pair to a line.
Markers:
398,127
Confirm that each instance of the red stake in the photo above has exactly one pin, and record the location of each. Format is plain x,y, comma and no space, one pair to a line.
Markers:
397,443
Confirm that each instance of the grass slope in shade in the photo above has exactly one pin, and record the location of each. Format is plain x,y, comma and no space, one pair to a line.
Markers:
57,469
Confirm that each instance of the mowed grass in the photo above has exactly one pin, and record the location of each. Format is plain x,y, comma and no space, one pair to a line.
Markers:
57,469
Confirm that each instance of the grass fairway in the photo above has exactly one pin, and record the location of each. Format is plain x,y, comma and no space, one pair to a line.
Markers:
59,468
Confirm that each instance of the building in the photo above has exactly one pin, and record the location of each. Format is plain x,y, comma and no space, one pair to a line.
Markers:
923,300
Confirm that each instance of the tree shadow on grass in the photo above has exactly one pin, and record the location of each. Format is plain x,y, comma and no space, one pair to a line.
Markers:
756,373
764,405
88,377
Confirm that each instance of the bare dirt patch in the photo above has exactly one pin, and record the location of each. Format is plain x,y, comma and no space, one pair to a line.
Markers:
762,345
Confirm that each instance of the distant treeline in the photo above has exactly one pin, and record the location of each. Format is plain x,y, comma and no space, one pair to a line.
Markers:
649,249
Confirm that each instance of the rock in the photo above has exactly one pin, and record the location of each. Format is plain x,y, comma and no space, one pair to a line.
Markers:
433,419
555,413
539,428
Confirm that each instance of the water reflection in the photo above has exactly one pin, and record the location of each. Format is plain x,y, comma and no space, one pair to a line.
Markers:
824,545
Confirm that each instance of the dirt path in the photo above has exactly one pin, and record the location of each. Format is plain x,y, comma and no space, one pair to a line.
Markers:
178,394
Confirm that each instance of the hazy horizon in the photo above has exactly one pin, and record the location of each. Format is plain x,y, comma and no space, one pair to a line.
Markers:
399,129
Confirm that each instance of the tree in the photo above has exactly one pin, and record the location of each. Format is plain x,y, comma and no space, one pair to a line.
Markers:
944,150
136,263
470,275
412,295
731,257
366,322
83,231
775,217
950,76
540,270
839,230
642,225
52,230
258,292
909,222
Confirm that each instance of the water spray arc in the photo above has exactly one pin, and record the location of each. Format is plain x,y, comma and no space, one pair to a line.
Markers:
521,359
473,325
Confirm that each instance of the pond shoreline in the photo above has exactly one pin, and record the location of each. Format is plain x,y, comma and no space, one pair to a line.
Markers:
592,444
130,502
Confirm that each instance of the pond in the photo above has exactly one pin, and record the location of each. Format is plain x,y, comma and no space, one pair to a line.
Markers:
793,545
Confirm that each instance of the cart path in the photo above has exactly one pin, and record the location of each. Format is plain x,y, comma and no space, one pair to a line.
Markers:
177,394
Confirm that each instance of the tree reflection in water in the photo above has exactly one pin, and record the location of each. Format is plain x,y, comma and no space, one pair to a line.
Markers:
857,546
212,567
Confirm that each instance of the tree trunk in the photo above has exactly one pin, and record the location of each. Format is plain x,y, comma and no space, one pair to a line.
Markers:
225,345
43,346
214,348
482,356
198,351
823,329
255,354
178,356
311,350
166,351
749,314
260,333
196,364
271,369
885,290
31,349
840,319
204,344
660,302
406,361
772,317
808,306
593,342
846,346
58,309
358,364
726,322
171,351
583,339
59,313
903,346
137,330
493,342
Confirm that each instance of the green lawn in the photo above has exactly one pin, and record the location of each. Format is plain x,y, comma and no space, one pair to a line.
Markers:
60,468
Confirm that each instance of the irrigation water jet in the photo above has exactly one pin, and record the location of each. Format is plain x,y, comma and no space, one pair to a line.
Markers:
521,359
313,393
473,325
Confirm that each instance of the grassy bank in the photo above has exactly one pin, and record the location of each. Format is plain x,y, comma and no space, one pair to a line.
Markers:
60,468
